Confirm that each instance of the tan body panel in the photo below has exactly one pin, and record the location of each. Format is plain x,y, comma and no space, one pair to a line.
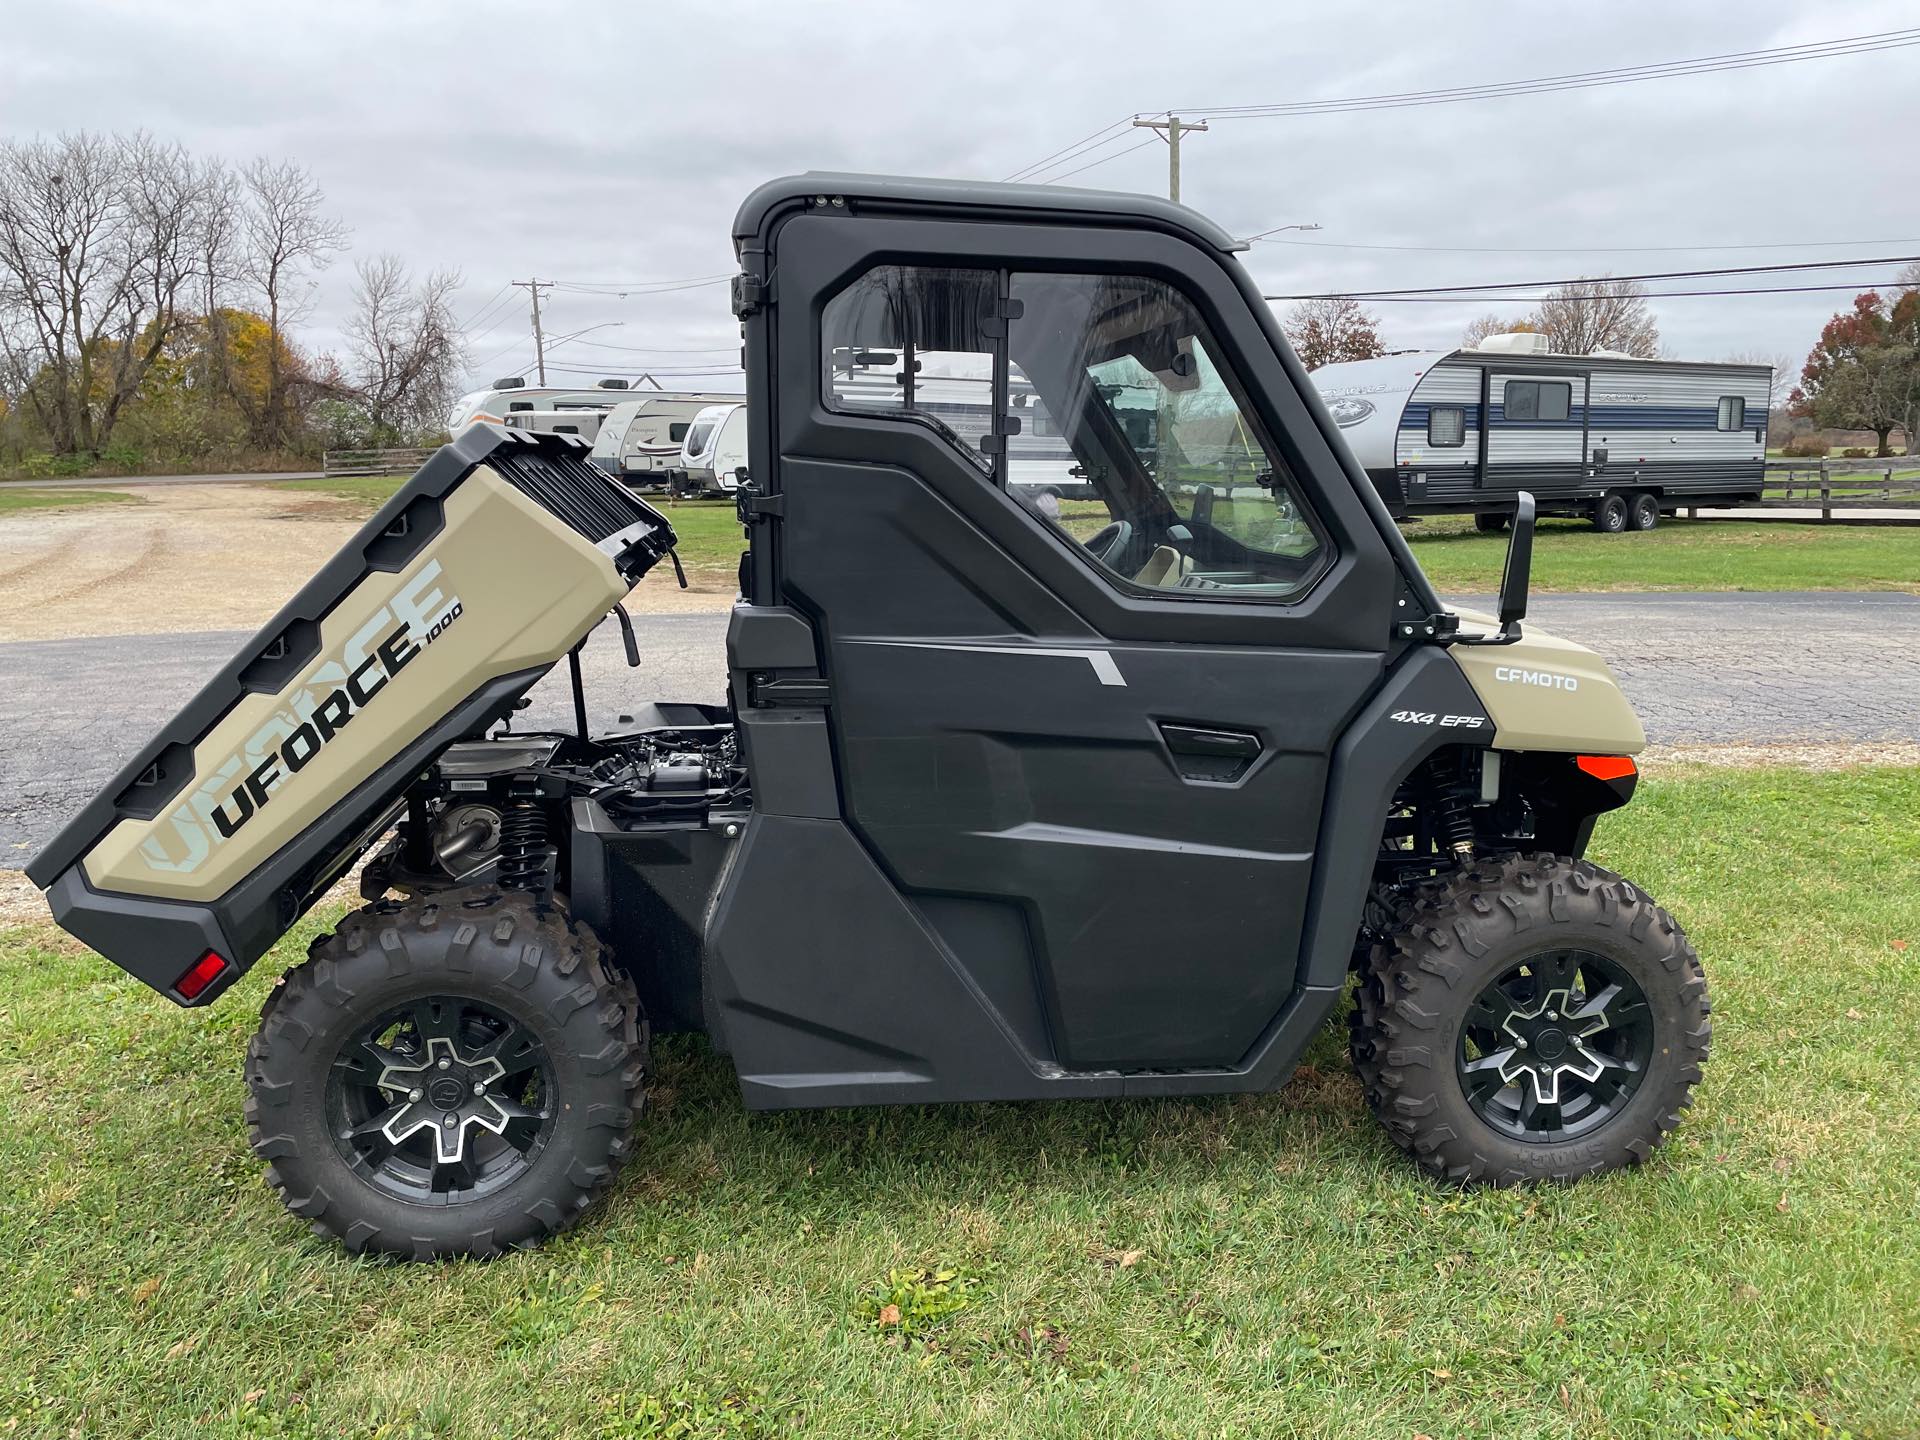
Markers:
506,586
1545,693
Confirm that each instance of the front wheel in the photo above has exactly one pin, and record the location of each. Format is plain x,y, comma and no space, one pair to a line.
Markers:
454,1076
1645,514
1489,523
1531,1018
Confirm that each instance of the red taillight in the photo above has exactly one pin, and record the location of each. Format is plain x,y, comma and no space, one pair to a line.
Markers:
199,975
1607,767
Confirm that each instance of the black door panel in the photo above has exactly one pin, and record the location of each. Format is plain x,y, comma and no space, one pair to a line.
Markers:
1014,729
992,744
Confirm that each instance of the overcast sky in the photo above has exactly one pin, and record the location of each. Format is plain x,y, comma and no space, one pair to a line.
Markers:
612,143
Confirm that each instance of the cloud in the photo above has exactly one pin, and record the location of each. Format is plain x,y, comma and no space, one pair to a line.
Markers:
614,143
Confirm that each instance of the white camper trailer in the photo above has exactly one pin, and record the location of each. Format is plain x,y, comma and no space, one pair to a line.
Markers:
640,439
714,452
580,420
511,396
1606,437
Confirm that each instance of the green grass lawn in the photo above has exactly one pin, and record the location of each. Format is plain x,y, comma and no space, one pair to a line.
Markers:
1680,555
1258,1267
1568,555
709,530
371,491
14,501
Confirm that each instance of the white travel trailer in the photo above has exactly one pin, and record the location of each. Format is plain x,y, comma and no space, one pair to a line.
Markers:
714,452
578,420
640,439
1606,437
512,396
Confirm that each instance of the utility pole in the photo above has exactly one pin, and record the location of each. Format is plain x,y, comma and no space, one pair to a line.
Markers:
535,286
1174,127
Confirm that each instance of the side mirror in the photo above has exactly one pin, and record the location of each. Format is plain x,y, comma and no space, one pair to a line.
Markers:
1519,570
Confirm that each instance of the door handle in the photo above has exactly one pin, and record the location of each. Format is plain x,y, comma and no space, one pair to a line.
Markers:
1218,744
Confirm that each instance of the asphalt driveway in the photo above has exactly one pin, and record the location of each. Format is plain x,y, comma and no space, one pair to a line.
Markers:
1701,669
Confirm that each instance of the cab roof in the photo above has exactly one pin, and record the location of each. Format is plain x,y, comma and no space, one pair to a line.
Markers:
903,192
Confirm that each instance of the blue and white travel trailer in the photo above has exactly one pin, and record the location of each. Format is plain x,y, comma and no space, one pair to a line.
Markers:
1607,437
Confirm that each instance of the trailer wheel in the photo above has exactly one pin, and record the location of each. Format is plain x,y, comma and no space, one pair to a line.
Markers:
1646,511
1490,523
456,1076
1532,1018
1610,513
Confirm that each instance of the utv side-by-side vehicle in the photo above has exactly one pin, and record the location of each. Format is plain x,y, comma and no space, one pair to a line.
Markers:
1010,800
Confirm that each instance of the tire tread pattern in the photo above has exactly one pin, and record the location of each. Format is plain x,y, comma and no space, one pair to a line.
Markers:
533,938
1426,966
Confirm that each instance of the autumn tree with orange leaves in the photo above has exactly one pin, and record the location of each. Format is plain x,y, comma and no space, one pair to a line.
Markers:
1864,372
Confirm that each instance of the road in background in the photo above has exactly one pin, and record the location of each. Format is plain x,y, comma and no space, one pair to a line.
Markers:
1735,668
105,482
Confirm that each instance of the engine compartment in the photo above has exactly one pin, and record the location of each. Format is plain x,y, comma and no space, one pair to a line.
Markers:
499,810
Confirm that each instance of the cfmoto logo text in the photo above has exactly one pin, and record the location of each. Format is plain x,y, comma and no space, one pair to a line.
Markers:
1545,679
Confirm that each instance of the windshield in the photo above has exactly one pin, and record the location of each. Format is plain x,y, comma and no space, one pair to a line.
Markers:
697,439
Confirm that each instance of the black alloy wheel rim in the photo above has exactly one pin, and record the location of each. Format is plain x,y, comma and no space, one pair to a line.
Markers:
441,1100
1555,1046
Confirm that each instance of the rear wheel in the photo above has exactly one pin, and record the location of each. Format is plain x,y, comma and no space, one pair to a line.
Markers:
1610,513
456,1076
1645,513
1490,524
1533,1018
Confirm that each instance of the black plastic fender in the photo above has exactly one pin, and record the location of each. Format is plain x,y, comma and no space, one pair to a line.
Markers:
1425,704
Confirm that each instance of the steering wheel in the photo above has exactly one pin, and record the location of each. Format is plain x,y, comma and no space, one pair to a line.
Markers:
1109,542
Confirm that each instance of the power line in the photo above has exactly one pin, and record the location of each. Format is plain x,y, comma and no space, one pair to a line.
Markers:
1536,299
660,349
1082,153
1383,294
616,290
1264,238
474,319
1056,179
650,370
1492,90
1069,152
1578,80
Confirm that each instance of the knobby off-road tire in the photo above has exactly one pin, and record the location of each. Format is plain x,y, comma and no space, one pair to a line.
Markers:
1425,982
498,974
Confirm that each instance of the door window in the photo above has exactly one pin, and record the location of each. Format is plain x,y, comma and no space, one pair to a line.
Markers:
1173,487
1537,400
1100,401
911,341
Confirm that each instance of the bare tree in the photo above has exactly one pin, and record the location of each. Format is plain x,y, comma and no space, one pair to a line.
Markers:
406,350
1327,331
287,237
102,242
1492,324
1591,314
219,236
1785,367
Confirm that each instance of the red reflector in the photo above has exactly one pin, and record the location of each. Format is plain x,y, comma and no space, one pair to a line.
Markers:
202,973
1607,767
